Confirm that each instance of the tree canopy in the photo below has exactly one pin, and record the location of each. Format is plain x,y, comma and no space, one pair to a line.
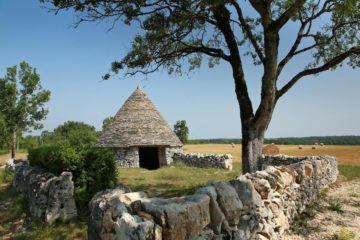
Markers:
174,32
106,122
181,130
22,101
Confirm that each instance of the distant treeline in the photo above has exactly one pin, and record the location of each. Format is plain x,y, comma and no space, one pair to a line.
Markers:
327,140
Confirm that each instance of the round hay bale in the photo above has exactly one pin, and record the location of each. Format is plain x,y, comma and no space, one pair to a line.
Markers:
270,149
313,147
322,144
316,144
300,147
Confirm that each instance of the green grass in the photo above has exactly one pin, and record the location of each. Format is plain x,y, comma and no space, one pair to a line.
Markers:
177,180
350,172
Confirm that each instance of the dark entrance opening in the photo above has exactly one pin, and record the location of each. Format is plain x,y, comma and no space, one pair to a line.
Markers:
149,158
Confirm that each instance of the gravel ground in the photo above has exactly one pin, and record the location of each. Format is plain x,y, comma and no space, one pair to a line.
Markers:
336,216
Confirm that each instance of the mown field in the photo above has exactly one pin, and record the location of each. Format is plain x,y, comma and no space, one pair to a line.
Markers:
346,155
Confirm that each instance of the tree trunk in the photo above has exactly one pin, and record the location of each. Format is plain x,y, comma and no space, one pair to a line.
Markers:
252,144
13,144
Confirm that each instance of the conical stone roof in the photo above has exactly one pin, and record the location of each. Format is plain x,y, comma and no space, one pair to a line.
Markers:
138,123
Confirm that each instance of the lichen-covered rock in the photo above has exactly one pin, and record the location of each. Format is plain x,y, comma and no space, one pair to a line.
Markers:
180,218
61,202
50,197
99,206
11,164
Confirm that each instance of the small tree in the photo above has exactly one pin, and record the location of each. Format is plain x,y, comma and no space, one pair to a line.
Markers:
181,130
22,101
107,122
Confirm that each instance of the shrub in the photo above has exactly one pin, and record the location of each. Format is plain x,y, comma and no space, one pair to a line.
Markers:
93,169
5,176
344,234
335,205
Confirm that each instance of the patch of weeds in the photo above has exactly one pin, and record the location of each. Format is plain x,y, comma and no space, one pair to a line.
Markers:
357,204
323,193
5,176
355,195
300,224
344,234
335,205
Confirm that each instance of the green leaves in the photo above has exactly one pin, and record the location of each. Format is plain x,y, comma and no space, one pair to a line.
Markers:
181,130
22,98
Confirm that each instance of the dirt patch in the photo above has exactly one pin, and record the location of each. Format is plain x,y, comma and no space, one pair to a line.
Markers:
336,215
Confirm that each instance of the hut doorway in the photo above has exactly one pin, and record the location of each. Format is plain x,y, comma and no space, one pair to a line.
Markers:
149,158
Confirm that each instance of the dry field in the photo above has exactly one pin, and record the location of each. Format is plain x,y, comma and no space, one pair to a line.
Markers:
5,157
346,155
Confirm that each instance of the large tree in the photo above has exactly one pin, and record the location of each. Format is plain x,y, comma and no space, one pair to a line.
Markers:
174,31
22,101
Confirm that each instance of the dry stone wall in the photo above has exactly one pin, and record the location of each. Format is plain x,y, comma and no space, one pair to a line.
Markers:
50,197
223,161
254,206
127,157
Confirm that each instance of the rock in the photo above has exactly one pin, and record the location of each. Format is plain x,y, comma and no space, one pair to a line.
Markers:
246,192
104,207
180,218
11,164
135,228
218,220
50,197
229,202
131,197
61,202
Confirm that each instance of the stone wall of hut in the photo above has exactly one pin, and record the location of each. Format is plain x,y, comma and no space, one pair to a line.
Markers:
129,157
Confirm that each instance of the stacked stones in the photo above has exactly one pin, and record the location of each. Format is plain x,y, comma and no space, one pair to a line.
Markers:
223,161
50,197
254,206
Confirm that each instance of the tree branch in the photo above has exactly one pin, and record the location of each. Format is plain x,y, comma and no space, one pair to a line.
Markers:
329,64
307,23
247,31
284,18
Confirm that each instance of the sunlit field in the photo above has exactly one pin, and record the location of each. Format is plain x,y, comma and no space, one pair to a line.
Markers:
346,155
5,157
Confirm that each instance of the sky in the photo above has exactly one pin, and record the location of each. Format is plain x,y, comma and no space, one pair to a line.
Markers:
71,62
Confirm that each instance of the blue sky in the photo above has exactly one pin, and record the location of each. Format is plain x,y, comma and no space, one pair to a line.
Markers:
72,61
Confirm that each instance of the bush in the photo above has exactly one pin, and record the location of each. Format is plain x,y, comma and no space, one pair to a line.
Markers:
5,176
93,169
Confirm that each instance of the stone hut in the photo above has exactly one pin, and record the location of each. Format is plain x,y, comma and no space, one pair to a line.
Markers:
139,135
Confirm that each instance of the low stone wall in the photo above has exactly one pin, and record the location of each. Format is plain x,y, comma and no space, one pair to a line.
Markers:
223,161
253,206
50,197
